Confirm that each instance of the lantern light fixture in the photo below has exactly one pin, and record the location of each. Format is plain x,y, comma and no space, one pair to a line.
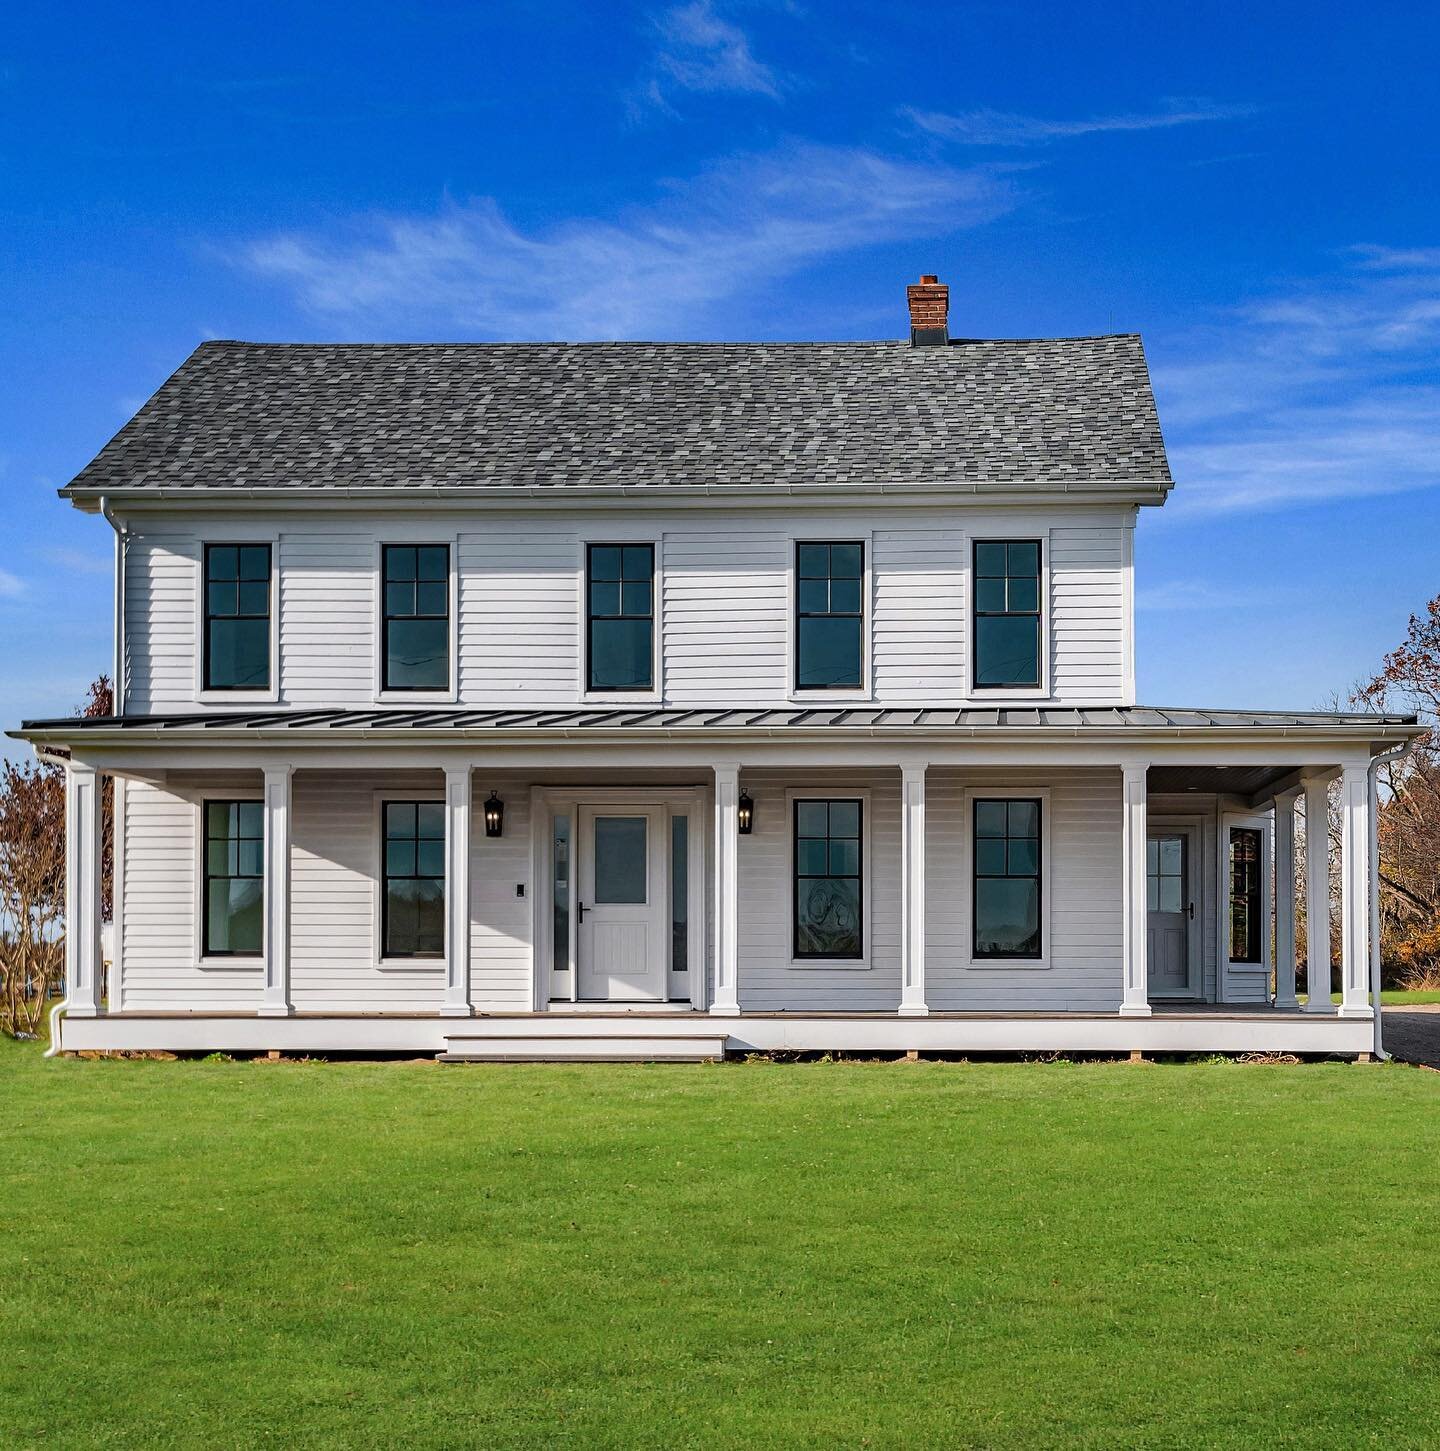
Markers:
494,815
746,813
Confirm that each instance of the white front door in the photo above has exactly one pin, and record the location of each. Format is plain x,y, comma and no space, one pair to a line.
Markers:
1170,901
622,936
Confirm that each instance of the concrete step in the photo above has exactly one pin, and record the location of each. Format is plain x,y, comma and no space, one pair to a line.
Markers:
596,1046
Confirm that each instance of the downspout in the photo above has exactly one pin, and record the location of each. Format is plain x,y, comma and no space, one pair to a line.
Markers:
117,683
1376,762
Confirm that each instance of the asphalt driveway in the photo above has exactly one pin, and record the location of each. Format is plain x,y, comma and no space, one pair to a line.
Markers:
1414,1034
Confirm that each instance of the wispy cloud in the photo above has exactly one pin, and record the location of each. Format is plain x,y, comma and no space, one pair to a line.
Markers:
11,585
1325,390
986,127
656,270
698,50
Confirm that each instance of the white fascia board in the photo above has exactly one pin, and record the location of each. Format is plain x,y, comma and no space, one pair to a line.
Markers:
569,496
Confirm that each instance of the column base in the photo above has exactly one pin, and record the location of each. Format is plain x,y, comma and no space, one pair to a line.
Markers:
1287,1005
86,1010
724,1010
275,1010
913,1010
457,1010
1355,1010
1134,1010
1313,1007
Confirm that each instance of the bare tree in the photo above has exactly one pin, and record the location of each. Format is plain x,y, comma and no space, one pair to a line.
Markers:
32,880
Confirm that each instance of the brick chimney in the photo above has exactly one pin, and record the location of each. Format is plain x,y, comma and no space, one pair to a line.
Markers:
929,312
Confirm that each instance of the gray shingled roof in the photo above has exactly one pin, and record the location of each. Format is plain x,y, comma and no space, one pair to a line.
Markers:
1049,413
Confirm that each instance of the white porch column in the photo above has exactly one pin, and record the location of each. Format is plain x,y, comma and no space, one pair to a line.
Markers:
1285,997
276,933
83,838
912,879
1355,892
1136,928
1317,892
726,998
458,810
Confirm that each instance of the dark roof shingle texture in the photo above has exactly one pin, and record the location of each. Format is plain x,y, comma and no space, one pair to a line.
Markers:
1043,413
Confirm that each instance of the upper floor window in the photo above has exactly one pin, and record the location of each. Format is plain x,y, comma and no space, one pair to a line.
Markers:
1246,904
1006,885
829,617
234,878
237,617
413,908
416,634
620,625
1007,613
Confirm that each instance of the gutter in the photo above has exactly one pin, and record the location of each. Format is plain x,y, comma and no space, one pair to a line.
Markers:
1373,797
117,684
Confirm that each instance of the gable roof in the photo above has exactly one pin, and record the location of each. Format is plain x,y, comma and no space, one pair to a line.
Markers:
1047,414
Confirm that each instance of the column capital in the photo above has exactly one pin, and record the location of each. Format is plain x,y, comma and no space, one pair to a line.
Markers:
459,773
913,770
1289,796
282,771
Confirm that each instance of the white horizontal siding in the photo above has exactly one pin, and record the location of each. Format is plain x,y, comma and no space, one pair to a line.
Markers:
724,603
161,941
501,923
768,982
1084,963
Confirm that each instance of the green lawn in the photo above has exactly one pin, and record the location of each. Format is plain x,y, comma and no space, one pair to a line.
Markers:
992,1255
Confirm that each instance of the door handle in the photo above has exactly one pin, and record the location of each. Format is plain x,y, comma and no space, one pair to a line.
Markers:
580,910
1190,908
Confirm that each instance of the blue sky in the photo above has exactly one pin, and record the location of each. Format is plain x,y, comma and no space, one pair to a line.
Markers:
1250,187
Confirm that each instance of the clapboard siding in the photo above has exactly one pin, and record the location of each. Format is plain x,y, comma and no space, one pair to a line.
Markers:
1084,963
767,979
501,923
724,602
161,945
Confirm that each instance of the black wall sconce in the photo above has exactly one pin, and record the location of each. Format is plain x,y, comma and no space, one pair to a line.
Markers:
494,815
746,813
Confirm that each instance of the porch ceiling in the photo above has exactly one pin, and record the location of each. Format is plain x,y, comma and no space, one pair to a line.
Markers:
1233,780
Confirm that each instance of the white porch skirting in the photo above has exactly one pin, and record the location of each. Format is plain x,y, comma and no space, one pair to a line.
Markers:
545,1035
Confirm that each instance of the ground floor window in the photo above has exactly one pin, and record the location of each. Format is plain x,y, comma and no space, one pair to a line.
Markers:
1006,885
413,910
1246,906
829,901
234,878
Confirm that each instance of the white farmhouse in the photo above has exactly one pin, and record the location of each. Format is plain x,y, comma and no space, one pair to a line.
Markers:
653,700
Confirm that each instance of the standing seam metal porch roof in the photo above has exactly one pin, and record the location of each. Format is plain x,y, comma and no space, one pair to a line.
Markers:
1047,414
758,718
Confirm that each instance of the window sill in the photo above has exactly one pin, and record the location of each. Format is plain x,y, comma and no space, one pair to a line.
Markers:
830,697
1004,694
237,697
829,964
230,964
1008,964
416,697
411,964
621,698
1249,967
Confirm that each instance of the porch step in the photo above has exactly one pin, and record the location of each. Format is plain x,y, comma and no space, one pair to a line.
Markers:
598,1045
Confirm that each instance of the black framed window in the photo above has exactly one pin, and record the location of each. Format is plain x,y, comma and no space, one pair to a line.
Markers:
237,617
620,627
829,616
1006,576
413,910
829,891
1006,888
416,643
234,877
1246,900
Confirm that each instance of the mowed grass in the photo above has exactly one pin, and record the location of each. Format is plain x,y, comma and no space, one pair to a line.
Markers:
868,1254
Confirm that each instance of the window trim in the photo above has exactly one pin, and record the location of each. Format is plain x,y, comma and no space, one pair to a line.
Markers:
411,536
617,534
823,792
1264,824
234,535
434,965
611,692
839,694
992,695
226,962
1020,790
